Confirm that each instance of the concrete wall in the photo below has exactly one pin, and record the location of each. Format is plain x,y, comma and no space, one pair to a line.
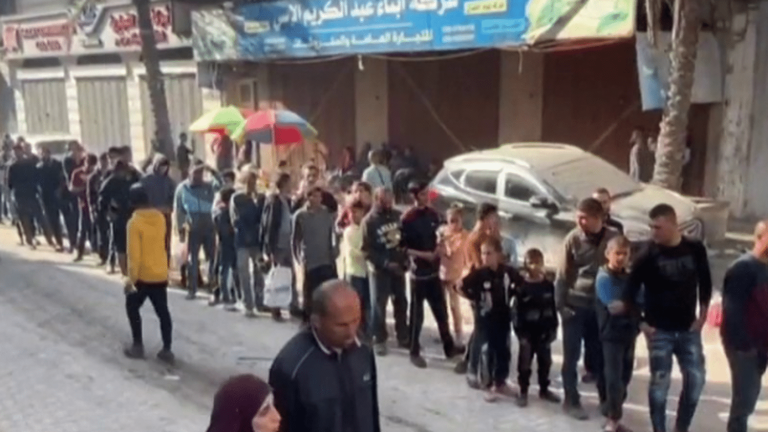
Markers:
756,198
521,96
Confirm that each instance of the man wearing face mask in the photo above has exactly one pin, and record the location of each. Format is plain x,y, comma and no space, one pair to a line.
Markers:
324,379
584,254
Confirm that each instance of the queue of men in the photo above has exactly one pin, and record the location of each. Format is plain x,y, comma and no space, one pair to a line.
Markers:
603,296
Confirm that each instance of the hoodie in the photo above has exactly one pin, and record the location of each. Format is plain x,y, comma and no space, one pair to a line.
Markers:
160,187
146,254
382,238
194,204
113,195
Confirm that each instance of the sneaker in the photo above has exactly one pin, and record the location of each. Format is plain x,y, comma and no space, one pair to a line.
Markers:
505,390
213,301
522,400
191,296
418,361
166,356
135,352
277,316
230,307
249,313
473,382
588,378
549,396
492,395
78,258
575,411
455,352
461,367
381,349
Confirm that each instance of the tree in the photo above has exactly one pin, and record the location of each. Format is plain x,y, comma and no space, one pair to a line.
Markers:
673,132
155,81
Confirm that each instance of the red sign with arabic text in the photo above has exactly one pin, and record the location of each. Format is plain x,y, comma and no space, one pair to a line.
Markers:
126,26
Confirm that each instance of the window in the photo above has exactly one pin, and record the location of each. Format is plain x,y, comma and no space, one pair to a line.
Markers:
517,188
482,181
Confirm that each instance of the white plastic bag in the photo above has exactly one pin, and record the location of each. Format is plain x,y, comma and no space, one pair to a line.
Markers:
278,291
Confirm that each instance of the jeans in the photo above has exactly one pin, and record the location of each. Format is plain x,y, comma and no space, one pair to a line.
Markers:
581,326
158,296
251,279
71,213
747,369
205,239
85,232
227,265
386,285
543,351
102,235
686,346
313,278
30,212
431,290
52,208
619,360
497,335
363,289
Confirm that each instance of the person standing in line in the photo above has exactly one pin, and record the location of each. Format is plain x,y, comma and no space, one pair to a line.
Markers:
23,182
194,215
674,271
377,174
583,255
246,209
453,238
226,252
618,330
114,201
605,198
77,186
52,185
382,246
313,245
244,403
161,189
535,323
324,379
70,211
311,180
354,263
744,330
99,219
276,234
147,276
490,288
419,225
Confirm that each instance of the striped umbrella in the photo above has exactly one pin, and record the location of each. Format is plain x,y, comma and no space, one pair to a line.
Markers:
278,127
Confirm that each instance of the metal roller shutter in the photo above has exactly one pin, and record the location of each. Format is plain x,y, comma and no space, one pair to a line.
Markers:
104,118
185,105
45,106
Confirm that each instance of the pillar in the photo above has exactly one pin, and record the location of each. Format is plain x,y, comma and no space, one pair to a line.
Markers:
73,103
371,102
521,95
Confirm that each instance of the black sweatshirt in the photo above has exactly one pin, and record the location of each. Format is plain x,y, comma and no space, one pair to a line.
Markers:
382,238
676,280
420,233
491,292
535,314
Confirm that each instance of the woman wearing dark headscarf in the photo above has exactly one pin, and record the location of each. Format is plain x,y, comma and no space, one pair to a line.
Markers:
244,404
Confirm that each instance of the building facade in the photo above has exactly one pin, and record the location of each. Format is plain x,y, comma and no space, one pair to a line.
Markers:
83,76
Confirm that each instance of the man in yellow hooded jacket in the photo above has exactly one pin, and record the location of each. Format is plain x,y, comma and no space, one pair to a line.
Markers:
147,272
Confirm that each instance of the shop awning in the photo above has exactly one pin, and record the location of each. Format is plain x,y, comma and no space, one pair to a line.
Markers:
313,28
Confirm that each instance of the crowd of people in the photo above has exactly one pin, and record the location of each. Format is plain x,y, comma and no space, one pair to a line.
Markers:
356,252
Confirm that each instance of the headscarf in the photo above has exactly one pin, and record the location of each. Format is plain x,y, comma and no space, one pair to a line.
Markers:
237,402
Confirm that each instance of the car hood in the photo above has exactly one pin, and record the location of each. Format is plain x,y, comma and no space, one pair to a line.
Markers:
635,207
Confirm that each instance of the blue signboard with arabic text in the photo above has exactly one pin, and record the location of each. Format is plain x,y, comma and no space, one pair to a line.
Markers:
318,27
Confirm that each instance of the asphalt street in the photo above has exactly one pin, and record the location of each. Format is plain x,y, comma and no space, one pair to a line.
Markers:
63,325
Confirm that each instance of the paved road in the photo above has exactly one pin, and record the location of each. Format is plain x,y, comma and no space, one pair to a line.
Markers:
63,325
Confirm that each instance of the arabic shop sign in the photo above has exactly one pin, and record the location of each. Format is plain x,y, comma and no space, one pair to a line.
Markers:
37,39
318,27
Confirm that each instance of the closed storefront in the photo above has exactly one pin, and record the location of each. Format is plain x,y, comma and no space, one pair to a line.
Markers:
45,106
103,112
185,105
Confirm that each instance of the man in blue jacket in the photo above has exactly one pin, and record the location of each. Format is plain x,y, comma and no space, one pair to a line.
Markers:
193,204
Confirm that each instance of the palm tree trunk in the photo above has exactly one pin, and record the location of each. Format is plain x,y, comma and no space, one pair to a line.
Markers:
155,80
674,123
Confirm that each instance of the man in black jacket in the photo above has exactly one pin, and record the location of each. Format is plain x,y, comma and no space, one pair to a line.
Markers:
276,226
382,245
420,225
23,182
324,379
114,202
52,186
